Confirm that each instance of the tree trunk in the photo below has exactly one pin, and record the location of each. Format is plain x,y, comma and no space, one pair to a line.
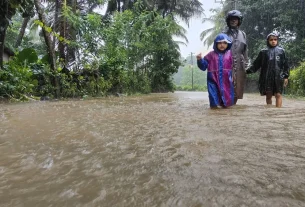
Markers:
72,36
2,38
48,41
62,33
56,14
6,13
126,5
111,7
303,12
22,31
119,5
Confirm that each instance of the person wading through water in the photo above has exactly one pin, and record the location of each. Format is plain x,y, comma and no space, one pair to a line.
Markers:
218,63
239,50
274,70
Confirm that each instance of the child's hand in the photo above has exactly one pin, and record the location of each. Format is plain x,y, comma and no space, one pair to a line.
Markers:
285,82
199,56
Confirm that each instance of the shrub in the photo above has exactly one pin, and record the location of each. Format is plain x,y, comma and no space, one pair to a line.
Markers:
16,80
296,84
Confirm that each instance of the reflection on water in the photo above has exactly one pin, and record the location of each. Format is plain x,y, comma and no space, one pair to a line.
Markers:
154,150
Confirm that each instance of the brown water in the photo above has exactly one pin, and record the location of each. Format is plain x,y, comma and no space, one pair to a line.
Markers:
155,150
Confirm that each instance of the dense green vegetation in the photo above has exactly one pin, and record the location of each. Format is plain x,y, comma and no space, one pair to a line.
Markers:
67,48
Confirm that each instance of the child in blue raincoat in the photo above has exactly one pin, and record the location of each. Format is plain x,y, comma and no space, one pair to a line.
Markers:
219,64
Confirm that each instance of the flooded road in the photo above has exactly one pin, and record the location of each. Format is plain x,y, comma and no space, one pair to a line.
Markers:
155,150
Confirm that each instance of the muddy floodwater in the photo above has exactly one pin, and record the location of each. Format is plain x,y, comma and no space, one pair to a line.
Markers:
153,150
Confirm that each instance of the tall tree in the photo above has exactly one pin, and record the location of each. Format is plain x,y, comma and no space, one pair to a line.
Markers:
283,16
22,31
7,10
217,19
48,41
185,9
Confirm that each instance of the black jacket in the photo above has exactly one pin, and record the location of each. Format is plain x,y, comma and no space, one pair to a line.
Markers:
274,68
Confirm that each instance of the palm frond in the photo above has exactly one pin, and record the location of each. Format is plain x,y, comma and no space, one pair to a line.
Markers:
204,33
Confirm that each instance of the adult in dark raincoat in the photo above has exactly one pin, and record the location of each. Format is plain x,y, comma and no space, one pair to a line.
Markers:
274,68
219,76
239,50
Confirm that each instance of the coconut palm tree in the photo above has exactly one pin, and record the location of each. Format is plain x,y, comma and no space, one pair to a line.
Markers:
217,19
185,9
48,41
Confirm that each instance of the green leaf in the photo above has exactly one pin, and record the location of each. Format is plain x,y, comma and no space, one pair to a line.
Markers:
27,54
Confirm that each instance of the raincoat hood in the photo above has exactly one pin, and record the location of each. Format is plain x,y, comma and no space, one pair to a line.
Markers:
222,38
272,34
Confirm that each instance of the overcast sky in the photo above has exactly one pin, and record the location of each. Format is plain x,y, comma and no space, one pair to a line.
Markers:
195,28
